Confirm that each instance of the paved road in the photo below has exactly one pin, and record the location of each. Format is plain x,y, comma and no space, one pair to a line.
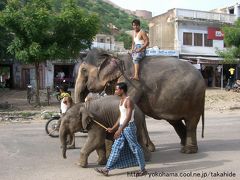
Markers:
27,153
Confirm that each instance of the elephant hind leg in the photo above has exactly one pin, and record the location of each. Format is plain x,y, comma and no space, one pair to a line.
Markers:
101,151
191,139
108,147
180,129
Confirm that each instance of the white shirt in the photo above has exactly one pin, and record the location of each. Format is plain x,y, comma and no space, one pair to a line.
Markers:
136,38
123,113
63,107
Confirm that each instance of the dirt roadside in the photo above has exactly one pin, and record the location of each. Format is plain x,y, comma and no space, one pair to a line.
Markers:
14,102
218,100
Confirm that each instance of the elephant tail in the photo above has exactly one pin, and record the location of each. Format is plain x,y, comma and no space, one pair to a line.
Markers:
203,120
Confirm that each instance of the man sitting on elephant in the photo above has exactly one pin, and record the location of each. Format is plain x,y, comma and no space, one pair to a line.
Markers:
126,151
139,43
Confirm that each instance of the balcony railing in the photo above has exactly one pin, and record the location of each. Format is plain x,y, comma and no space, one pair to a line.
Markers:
211,16
106,46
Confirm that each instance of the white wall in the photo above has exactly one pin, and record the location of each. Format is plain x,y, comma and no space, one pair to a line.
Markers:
105,46
49,73
197,50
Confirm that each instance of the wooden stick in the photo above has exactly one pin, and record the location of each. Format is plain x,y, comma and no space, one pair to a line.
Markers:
100,124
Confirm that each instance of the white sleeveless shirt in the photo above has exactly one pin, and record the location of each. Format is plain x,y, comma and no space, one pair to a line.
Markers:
123,113
136,38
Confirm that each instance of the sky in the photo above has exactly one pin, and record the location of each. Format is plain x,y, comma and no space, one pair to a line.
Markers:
161,6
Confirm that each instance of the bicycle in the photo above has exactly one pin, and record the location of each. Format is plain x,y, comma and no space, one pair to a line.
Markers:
30,94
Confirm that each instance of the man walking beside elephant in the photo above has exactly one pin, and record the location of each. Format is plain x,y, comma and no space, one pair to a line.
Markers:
126,151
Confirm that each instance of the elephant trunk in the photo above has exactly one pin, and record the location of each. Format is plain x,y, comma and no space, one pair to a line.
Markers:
63,139
80,93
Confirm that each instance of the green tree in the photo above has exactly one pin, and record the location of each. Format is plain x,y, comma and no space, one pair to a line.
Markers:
232,41
127,40
2,4
41,33
111,15
5,36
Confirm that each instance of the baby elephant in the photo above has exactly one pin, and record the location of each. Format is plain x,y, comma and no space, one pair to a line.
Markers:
105,110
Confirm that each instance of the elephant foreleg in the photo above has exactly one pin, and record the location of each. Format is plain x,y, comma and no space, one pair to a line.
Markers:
71,141
146,138
180,129
146,151
95,140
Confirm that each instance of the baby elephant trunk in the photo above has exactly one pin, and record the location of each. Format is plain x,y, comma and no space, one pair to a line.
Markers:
63,139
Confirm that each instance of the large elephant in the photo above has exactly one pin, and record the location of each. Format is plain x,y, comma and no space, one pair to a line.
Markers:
168,89
106,111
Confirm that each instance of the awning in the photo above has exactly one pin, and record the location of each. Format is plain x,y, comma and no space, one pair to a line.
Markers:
204,59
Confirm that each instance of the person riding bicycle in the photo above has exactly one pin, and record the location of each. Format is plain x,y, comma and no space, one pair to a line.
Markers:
65,98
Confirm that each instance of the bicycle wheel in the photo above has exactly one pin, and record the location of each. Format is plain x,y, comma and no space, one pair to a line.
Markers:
52,127
31,98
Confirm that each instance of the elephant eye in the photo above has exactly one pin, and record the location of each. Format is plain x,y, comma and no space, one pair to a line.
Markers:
84,71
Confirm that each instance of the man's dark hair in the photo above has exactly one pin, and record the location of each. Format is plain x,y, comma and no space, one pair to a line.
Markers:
122,86
64,87
136,22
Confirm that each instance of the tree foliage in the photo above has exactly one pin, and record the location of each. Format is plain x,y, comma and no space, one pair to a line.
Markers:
41,33
232,40
127,40
109,14
112,15
5,36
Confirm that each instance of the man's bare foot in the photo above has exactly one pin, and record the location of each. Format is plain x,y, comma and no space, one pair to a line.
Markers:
102,171
142,173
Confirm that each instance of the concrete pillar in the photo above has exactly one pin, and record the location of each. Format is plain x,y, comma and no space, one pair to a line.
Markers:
214,76
237,10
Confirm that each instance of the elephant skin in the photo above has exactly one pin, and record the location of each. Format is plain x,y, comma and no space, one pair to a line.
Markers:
105,110
168,89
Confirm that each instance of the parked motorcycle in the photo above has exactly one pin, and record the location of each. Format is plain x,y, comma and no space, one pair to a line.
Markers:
52,126
236,86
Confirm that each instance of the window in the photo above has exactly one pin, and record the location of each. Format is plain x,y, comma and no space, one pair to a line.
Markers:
198,39
207,42
102,40
187,38
231,11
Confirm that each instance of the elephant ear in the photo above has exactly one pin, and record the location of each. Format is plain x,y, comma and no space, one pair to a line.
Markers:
86,117
108,67
103,61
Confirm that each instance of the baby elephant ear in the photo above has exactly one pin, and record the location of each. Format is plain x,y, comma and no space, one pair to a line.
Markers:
86,117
